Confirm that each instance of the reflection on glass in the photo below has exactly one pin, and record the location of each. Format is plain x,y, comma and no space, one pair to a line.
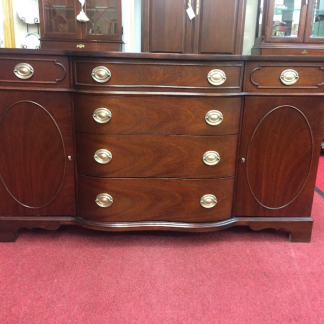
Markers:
103,17
318,19
286,18
259,33
59,16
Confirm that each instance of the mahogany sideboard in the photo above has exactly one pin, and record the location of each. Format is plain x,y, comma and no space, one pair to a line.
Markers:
119,141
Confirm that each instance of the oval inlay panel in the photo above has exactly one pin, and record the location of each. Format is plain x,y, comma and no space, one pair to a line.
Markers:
32,164
284,134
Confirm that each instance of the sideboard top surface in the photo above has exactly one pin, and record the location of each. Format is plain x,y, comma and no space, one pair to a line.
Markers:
164,56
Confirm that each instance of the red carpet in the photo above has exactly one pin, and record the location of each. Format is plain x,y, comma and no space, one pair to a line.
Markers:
320,174
234,276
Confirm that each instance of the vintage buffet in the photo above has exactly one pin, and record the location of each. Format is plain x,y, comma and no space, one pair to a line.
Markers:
119,141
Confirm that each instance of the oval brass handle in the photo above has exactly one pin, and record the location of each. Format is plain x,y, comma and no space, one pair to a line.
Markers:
101,74
104,200
214,117
102,156
102,115
216,77
211,158
23,71
208,201
289,77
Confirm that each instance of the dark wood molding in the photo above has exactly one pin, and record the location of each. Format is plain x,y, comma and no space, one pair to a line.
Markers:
299,229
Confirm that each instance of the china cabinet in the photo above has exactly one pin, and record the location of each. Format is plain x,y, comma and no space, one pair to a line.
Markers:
293,27
81,25
217,26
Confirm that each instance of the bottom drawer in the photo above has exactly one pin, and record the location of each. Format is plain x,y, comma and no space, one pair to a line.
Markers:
155,199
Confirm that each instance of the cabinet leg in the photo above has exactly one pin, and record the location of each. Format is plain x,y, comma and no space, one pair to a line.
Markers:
299,228
8,234
300,232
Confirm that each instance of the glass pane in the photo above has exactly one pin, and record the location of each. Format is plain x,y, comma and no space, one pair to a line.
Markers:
318,19
286,18
103,17
59,16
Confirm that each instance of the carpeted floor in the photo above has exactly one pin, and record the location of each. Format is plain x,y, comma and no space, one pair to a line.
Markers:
234,276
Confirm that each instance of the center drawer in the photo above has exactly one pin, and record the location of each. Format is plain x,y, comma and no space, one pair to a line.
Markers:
157,115
125,200
157,75
156,156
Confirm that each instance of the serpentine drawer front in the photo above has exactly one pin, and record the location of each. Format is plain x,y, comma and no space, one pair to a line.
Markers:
119,141
157,115
184,76
155,199
157,156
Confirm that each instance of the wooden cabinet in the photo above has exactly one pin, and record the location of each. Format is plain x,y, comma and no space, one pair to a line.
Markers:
60,28
278,160
217,27
162,142
36,154
293,27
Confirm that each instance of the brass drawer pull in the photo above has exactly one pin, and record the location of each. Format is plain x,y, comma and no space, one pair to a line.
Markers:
289,77
214,117
216,77
102,156
104,200
23,71
208,201
102,115
101,74
211,158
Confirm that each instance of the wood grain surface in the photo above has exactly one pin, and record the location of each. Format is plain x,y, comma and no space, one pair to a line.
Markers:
156,155
36,139
49,71
156,115
280,143
266,77
158,74
154,199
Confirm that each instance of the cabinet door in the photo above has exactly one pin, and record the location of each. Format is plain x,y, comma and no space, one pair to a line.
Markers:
286,21
58,19
219,26
36,171
279,153
104,20
166,26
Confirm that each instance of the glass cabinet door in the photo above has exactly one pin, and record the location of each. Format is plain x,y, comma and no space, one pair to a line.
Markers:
59,19
104,20
287,19
315,22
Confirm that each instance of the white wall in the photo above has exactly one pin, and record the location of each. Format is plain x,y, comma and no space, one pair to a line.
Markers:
20,26
250,26
131,16
1,27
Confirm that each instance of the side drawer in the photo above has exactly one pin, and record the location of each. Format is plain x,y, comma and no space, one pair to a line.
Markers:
154,199
160,75
32,71
284,77
157,115
156,156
